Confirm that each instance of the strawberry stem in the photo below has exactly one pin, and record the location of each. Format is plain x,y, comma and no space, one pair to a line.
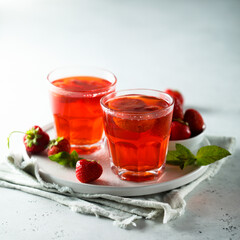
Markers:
8,139
180,120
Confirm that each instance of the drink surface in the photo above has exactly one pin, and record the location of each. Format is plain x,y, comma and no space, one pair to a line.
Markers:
79,118
134,103
138,132
81,83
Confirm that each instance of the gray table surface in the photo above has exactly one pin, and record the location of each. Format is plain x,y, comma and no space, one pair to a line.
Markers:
192,46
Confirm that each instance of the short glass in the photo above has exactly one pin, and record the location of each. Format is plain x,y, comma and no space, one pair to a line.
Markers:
137,126
75,94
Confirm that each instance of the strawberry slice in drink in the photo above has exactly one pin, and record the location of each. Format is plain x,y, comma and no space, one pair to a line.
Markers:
134,125
133,104
126,104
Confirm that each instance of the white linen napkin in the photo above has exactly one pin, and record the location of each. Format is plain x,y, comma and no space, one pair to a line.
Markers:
18,174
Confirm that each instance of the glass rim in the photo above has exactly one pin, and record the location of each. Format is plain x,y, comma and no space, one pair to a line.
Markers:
106,108
99,90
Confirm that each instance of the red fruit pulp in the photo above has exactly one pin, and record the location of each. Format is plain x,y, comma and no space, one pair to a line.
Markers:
78,118
178,109
88,170
138,136
179,131
59,146
195,121
175,94
64,145
35,140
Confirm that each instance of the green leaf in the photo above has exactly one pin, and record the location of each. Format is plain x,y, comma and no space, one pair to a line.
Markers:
181,157
65,158
210,154
190,161
184,153
74,155
62,158
172,157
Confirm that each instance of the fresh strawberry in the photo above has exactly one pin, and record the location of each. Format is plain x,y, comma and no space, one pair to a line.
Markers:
175,94
88,170
57,145
195,121
35,139
178,109
179,131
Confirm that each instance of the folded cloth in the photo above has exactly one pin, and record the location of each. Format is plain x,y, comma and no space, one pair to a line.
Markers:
23,175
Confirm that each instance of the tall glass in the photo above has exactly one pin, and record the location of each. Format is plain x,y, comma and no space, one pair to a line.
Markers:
75,94
137,125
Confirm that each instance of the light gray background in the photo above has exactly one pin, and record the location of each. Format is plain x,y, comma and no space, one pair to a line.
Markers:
192,46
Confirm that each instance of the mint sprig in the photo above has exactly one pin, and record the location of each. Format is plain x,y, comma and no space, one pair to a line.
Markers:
183,157
65,158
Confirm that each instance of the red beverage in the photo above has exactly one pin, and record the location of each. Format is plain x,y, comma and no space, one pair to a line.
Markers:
137,127
76,109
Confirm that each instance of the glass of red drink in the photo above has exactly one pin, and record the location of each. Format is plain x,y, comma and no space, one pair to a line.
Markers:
137,126
75,94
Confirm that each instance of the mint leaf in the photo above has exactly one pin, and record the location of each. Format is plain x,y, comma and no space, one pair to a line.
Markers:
62,158
180,154
74,159
172,157
183,157
74,155
65,158
183,152
188,162
210,154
